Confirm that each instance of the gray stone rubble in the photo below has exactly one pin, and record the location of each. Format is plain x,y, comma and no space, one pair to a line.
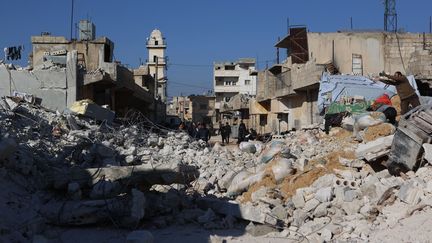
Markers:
73,171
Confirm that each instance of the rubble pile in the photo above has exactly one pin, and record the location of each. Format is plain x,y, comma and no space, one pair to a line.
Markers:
64,170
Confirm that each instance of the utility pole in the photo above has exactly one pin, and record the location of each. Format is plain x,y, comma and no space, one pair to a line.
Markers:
277,52
390,16
351,22
71,19
430,24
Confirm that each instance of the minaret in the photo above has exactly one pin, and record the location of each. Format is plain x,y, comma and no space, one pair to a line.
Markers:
156,62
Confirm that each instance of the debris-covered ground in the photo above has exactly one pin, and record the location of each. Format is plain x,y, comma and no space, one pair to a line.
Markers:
66,178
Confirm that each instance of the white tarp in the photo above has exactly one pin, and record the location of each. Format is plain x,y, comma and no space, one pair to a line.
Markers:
333,87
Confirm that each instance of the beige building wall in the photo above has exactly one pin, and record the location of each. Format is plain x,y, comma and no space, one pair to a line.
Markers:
405,52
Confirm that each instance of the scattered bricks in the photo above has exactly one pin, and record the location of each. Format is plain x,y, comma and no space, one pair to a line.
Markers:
140,236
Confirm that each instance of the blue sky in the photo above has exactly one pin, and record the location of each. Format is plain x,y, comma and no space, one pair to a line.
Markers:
200,32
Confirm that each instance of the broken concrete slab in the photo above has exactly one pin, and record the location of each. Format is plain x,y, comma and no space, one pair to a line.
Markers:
259,214
375,149
428,152
410,193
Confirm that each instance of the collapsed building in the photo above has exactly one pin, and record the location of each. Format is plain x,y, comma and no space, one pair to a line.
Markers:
287,93
60,171
63,71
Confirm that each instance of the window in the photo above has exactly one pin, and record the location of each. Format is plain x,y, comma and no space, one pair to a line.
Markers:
247,82
155,58
263,119
357,64
156,42
226,99
229,67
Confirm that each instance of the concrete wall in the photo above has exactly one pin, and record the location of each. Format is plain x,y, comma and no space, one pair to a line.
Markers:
91,53
406,52
339,48
57,89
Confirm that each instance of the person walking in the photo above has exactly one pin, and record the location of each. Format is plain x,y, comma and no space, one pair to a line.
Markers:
203,133
404,89
227,131
222,132
241,132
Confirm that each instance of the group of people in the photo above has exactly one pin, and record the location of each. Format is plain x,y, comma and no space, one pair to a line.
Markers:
225,132
243,133
198,132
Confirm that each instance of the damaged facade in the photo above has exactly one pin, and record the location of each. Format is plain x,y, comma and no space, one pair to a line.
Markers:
63,71
287,93
231,79
193,108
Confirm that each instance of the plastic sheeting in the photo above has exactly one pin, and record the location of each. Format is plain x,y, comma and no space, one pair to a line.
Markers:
333,87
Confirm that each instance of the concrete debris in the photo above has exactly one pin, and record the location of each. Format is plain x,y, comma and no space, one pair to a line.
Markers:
428,152
305,186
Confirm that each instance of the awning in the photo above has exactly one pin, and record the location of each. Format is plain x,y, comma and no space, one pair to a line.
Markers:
256,108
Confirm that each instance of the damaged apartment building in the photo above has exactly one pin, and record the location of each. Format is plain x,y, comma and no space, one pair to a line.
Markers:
62,71
287,92
192,108
234,84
